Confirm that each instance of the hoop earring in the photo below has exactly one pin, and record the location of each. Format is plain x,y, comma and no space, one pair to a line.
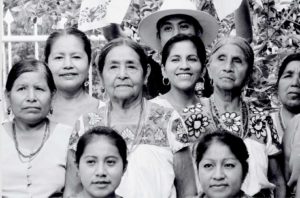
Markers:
165,81
86,83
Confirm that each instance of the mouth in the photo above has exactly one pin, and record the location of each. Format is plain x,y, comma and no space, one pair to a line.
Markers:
123,85
219,186
184,75
68,74
101,184
31,108
228,78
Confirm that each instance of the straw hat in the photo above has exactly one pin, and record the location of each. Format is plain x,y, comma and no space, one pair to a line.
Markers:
147,27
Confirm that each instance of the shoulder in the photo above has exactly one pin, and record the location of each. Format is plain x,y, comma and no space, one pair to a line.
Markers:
161,101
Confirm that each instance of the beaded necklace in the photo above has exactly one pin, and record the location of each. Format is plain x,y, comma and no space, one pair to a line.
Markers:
243,131
33,154
137,131
28,158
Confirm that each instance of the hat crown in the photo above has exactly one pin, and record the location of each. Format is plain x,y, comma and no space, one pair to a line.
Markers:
178,4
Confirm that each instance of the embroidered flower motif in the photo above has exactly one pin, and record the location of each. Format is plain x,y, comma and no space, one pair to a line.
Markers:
193,108
73,141
196,124
127,134
232,121
159,135
258,126
181,134
94,119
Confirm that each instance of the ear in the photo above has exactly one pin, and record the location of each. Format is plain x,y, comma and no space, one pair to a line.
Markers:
163,71
148,72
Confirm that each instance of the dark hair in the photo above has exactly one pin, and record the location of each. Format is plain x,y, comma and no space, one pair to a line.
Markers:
192,20
98,131
123,42
284,64
244,45
201,53
29,65
233,142
69,31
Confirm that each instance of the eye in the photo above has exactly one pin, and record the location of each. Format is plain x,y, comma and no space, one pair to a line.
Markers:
111,162
132,66
40,89
113,66
58,57
167,28
175,59
207,165
21,88
77,57
237,60
193,59
229,165
91,162
287,75
184,26
221,58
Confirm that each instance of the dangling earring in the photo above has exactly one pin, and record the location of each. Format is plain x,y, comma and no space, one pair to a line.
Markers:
165,81
8,110
51,111
211,82
102,89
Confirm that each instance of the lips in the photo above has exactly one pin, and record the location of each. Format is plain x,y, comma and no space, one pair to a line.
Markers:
219,186
68,74
101,184
184,75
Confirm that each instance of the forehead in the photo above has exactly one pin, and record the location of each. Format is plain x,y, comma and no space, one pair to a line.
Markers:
293,66
32,77
188,46
230,49
122,52
63,42
101,145
218,150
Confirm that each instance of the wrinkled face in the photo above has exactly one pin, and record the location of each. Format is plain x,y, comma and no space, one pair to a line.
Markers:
220,173
173,26
30,97
68,62
183,66
228,68
122,74
289,86
100,168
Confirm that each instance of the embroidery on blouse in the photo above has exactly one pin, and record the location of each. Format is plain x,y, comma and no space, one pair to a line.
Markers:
196,124
232,122
274,133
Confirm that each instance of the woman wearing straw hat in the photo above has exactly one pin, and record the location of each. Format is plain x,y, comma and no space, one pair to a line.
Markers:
182,16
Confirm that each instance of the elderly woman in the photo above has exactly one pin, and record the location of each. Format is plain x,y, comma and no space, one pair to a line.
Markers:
68,54
221,159
149,129
183,63
230,66
34,149
288,84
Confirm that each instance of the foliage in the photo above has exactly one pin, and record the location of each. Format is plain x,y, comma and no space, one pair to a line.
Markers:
276,32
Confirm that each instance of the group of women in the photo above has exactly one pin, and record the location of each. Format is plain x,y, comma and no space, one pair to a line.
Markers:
63,142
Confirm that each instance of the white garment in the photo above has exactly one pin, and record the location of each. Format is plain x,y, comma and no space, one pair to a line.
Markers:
46,170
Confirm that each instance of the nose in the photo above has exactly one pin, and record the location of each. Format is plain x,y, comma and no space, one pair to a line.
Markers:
185,65
68,63
123,72
218,173
176,31
228,66
31,97
100,170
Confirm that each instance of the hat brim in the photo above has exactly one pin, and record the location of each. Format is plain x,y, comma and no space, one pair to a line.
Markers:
148,31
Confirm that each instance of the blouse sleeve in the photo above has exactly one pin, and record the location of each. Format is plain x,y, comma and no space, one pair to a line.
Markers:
177,133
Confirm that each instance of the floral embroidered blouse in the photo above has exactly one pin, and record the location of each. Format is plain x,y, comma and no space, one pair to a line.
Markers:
257,130
153,144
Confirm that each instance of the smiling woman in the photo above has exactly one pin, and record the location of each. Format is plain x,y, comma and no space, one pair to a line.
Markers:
68,54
